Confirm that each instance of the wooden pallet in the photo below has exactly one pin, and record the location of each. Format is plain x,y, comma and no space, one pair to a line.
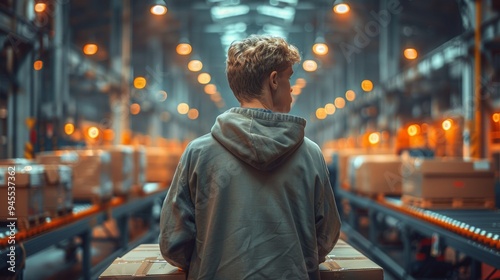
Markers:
449,202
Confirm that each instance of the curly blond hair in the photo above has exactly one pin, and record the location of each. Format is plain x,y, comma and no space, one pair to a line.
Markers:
252,59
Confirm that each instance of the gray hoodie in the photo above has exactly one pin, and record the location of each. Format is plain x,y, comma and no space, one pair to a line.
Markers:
250,200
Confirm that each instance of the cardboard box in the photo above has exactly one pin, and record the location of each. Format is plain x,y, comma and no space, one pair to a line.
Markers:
146,262
375,174
448,178
143,262
340,159
58,189
91,171
27,190
345,262
122,167
161,164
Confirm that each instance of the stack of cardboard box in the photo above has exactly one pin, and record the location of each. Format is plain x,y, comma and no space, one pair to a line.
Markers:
58,189
375,174
21,188
448,183
91,172
161,164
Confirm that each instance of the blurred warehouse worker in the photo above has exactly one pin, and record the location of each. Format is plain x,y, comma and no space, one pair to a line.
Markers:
252,199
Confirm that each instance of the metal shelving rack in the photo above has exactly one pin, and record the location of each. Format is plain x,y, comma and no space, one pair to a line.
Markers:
119,209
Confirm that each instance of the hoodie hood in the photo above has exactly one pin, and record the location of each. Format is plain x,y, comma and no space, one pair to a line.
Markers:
263,140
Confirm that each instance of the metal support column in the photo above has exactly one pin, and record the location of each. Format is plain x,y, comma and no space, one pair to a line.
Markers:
122,223
389,44
373,226
405,238
60,61
86,253
121,33
155,128
477,137
468,107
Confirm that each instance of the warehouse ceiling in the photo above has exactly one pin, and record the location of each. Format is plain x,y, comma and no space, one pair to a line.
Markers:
210,25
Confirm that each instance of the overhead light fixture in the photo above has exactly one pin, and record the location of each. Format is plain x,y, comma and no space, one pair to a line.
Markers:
195,65
184,48
159,8
222,12
286,13
38,65
40,7
289,2
320,47
367,85
90,49
341,7
410,53
310,65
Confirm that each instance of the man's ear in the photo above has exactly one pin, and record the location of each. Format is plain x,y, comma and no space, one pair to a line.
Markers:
273,80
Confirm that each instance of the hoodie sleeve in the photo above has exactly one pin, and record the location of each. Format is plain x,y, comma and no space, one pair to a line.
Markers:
327,218
177,221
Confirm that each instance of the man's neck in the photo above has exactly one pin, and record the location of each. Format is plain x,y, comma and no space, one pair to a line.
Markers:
256,104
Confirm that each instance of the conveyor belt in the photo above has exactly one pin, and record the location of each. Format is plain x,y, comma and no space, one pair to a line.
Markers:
80,211
472,232
479,225
81,224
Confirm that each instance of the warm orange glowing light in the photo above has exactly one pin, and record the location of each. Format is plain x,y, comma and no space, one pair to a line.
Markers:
330,108
38,65
210,89
40,7
195,65
183,108
413,130
410,53
374,138
135,109
296,90
69,128
341,9
108,134
339,102
367,85
301,82
204,78
140,82
310,65
320,48
183,49
90,49
158,10
193,113
93,132
447,124
321,113
496,117
350,95
215,98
